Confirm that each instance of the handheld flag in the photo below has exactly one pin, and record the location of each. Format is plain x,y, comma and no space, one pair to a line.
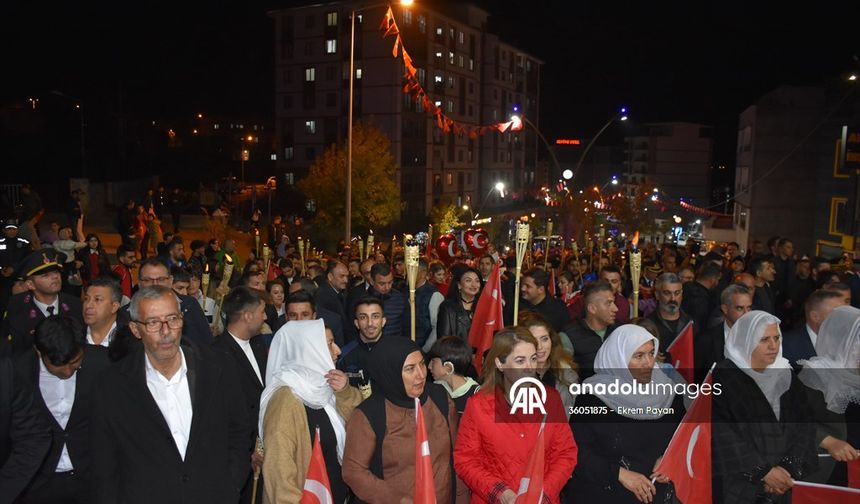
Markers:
854,473
488,317
317,489
687,459
531,484
425,487
682,353
814,493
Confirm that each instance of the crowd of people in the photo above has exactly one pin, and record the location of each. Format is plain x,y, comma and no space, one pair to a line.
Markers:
183,372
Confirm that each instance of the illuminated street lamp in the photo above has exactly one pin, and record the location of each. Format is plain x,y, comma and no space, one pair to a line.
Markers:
621,115
517,125
348,217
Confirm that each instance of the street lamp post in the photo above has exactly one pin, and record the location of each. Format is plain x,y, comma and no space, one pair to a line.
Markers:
621,115
348,217
516,127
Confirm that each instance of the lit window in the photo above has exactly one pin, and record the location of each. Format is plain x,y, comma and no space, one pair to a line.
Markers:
439,54
310,127
310,74
449,178
358,73
437,78
451,33
460,61
460,37
407,17
438,103
450,58
451,82
471,64
450,106
288,153
439,31
216,126
358,17
330,46
331,18
274,157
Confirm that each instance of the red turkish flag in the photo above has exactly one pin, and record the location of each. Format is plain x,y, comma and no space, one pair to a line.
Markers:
551,286
425,487
687,459
682,353
531,484
854,473
317,489
814,493
488,317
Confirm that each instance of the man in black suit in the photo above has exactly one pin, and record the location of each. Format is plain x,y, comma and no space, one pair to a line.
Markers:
764,298
170,422
331,295
709,345
534,287
42,275
245,312
799,342
62,370
25,435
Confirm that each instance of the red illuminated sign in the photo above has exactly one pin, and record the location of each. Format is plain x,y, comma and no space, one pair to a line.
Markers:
567,141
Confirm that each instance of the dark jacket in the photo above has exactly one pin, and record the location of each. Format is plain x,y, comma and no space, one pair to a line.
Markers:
454,320
748,440
22,316
667,333
331,300
552,309
76,435
698,303
103,262
611,441
585,343
135,459
797,345
251,386
25,434
764,299
708,348
423,327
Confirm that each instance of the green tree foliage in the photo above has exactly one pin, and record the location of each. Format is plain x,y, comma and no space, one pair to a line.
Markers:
375,196
445,217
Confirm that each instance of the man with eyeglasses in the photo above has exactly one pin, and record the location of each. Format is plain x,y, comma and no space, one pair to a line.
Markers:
153,273
146,404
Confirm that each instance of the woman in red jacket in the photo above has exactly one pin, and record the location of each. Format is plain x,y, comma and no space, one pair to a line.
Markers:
493,446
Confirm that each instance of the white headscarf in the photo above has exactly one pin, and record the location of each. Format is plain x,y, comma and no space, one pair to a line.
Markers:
610,366
743,338
834,370
299,359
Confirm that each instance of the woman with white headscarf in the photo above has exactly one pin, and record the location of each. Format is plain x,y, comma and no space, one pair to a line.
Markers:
832,379
621,436
304,391
762,435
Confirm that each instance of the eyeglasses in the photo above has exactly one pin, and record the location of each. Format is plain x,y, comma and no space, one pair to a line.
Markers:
155,325
156,281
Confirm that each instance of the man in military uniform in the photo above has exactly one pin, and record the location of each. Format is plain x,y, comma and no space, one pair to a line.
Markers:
13,249
41,272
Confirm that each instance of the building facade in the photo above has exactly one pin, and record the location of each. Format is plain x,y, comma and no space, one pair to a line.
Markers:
674,156
475,78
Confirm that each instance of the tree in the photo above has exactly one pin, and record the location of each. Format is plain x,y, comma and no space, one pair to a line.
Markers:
632,213
445,217
375,195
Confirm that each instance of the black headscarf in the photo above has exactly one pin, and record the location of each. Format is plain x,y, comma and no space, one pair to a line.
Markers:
386,370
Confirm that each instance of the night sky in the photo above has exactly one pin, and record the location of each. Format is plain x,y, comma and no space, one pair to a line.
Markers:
677,61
